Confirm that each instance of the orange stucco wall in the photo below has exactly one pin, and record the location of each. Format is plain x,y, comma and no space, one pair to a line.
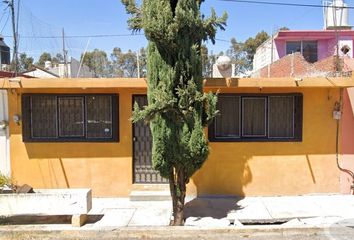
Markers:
267,168
347,140
286,168
104,167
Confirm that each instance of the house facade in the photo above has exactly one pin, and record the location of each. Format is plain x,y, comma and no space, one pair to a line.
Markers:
272,137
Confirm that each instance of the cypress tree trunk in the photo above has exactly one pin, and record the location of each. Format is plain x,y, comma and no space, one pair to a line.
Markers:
177,110
178,193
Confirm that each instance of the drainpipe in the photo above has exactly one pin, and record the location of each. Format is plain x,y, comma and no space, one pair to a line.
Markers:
338,108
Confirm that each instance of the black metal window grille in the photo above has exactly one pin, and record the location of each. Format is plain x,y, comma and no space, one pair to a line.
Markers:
67,117
43,117
99,117
228,125
281,110
254,116
71,116
258,117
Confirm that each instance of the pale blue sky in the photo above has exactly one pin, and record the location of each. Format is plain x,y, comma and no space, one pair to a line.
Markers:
91,17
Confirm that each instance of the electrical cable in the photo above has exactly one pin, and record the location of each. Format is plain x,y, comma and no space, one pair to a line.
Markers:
7,20
287,4
81,36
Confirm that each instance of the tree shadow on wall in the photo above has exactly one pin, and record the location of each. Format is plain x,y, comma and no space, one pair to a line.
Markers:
219,184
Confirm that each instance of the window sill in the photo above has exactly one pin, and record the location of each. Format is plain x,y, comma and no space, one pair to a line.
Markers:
70,140
255,140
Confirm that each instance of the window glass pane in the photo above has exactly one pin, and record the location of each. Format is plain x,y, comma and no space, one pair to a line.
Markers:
71,116
99,116
253,117
227,124
281,116
293,47
43,116
309,51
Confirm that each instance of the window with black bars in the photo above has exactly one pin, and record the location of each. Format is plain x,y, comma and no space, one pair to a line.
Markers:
68,117
257,117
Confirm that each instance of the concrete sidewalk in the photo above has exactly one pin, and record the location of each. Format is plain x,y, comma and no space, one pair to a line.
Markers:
298,217
222,212
217,212
271,210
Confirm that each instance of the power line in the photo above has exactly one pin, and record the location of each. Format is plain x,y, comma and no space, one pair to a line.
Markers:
81,36
7,20
2,16
287,4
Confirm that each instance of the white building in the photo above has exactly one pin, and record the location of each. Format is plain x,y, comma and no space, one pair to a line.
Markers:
71,70
265,54
38,72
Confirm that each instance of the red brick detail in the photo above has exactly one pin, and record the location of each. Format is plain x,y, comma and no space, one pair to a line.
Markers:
296,66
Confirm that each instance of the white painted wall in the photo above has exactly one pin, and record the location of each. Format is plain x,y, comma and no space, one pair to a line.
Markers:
263,55
4,136
38,73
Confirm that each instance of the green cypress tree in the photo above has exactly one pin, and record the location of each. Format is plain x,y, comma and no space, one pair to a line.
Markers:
177,110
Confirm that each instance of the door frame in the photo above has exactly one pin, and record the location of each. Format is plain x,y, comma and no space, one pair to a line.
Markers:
133,149
133,136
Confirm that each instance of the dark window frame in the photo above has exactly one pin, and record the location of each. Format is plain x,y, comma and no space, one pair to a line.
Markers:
302,43
298,121
27,119
239,119
243,135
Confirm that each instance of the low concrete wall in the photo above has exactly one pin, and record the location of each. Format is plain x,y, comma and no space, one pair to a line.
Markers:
47,202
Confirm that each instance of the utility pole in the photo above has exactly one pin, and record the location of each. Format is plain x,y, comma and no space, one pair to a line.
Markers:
65,56
11,5
336,29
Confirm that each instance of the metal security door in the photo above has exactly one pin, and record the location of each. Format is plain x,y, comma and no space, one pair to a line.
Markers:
142,145
4,135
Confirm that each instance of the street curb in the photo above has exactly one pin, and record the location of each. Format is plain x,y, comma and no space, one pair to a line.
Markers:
18,232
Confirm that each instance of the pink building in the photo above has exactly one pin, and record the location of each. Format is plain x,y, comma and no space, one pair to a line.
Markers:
315,46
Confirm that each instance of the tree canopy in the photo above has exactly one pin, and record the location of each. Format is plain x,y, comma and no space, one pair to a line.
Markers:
251,45
25,63
97,61
125,64
43,58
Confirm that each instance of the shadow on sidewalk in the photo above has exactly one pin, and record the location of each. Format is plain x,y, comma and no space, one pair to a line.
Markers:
214,207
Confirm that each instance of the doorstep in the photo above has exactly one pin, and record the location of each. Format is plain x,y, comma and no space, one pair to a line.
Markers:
150,192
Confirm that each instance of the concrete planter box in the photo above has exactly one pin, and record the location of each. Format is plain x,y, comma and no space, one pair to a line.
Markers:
47,202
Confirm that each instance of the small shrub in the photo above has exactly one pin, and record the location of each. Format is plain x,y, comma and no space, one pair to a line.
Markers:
7,181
